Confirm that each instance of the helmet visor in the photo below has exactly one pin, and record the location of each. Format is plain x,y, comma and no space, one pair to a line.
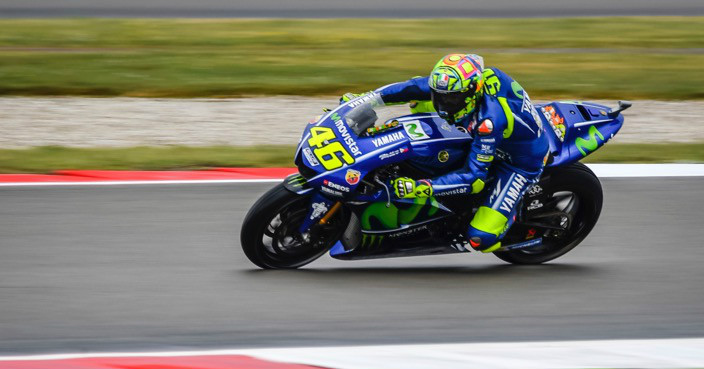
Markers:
449,103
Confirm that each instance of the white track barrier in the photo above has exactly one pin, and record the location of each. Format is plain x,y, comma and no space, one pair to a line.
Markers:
615,354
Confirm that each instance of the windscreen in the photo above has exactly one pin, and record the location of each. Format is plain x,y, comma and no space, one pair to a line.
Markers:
372,112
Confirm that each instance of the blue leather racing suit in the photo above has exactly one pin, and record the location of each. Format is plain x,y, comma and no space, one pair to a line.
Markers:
505,126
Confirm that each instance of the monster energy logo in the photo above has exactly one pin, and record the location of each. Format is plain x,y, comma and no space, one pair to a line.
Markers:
587,146
296,181
371,240
391,217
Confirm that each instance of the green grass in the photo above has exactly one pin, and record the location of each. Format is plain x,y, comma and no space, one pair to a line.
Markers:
649,153
47,159
634,57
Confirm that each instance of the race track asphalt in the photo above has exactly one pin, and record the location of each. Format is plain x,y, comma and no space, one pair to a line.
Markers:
346,8
158,267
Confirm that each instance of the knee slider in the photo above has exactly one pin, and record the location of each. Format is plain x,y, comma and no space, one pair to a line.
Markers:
480,240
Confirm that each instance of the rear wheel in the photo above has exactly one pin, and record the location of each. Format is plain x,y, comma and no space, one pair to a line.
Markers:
270,236
570,203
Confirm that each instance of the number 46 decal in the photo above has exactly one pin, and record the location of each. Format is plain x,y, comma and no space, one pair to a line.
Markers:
327,152
415,130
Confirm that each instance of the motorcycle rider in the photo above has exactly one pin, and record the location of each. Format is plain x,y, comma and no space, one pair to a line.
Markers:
498,113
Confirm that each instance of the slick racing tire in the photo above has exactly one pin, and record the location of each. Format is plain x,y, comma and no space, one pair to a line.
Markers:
571,195
270,238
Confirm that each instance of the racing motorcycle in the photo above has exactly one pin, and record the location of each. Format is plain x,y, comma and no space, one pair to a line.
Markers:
341,200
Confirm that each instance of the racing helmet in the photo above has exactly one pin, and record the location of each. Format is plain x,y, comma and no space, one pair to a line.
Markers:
455,85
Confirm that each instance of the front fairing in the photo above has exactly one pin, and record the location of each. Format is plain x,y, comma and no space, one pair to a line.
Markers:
336,158
334,155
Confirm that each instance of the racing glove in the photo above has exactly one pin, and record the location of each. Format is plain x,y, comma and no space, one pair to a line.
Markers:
421,107
351,96
406,188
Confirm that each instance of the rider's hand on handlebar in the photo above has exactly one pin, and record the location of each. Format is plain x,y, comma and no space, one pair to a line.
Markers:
350,96
407,188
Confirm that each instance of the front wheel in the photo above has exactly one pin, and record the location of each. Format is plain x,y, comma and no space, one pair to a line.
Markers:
270,237
570,205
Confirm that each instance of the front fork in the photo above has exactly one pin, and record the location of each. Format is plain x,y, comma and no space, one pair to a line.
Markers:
321,208
320,211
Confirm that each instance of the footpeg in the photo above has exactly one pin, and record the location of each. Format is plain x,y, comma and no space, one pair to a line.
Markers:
522,245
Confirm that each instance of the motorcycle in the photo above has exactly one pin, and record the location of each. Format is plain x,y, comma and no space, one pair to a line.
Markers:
341,201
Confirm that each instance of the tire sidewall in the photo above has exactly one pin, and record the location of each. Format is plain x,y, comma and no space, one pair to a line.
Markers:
256,221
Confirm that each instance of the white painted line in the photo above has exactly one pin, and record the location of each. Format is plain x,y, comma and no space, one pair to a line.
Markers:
655,354
647,170
156,182
601,170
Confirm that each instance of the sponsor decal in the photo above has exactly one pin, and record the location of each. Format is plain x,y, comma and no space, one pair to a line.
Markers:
319,208
393,153
535,190
535,204
487,140
369,240
443,156
378,216
485,158
331,191
588,145
360,101
415,130
496,192
486,127
346,137
296,181
536,118
455,191
387,139
336,186
529,108
486,149
531,234
408,232
446,127
513,193
309,156
352,176
527,105
556,121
